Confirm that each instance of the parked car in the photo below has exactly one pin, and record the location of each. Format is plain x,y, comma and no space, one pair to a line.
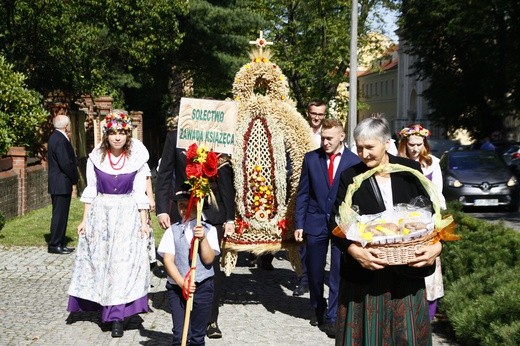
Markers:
512,157
479,178
439,146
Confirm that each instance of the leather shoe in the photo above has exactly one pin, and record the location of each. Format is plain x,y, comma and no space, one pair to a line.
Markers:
317,318
117,329
60,250
300,290
329,329
213,331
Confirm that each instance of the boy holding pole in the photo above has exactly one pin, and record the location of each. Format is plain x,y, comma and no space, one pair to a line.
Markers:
182,284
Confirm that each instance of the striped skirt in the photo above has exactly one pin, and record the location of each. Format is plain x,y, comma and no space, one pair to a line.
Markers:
390,310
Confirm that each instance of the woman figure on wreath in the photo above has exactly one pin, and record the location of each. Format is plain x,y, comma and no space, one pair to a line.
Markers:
111,271
381,304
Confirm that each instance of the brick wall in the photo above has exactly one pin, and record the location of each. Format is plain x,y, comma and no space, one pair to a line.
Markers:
24,187
37,195
9,194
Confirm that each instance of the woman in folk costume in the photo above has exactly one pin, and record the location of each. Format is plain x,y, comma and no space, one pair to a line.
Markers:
381,304
111,271
414,145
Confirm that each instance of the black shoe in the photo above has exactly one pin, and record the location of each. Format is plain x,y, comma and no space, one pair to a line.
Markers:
317,318
329,329
213,332
300,290
59,250
117,329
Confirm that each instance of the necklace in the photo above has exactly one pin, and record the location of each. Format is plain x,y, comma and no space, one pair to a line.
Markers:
115,165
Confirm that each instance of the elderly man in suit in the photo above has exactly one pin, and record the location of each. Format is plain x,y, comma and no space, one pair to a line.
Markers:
315,199
62,175
221,214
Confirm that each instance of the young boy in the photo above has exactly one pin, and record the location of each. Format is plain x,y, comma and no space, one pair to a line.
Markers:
175,249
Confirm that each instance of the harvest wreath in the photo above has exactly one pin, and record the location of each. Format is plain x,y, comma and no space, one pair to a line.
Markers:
271,139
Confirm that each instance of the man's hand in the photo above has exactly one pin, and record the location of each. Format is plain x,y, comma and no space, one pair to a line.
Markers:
164,220
298,234
229,228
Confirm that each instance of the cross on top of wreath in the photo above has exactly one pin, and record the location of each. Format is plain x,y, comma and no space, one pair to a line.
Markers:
260,42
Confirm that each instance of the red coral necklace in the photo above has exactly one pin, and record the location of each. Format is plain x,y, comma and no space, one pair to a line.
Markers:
117,165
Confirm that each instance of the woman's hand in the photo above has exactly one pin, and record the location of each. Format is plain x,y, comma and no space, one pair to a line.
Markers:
367,257
145,230
426,255
198,231
81,228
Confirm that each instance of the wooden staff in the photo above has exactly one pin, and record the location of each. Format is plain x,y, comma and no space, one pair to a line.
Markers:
195,254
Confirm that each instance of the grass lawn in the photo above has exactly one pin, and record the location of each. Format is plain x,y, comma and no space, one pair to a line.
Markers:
32,229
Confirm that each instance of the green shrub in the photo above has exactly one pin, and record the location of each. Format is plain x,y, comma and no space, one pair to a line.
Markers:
483,308
482,283
483,245
21,111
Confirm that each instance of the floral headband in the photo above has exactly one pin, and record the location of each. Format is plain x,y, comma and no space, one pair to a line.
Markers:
117,121
414,131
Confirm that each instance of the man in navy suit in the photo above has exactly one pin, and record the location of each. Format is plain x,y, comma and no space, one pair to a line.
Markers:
314,201
62,175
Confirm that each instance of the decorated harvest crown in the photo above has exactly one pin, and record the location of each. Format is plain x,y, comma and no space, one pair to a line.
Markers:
416,130
117,121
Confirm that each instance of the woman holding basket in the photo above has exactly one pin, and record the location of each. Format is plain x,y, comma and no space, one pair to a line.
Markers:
381,304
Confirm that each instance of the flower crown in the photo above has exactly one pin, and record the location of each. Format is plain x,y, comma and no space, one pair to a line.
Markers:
414,131
117,121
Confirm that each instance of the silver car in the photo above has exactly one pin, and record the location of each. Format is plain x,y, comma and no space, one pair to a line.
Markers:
479,178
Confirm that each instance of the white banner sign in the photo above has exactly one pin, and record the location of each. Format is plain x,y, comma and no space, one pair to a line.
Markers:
207,122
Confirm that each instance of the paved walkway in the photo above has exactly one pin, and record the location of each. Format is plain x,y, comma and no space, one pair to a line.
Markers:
258,307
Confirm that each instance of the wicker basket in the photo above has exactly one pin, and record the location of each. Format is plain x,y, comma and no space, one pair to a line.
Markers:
402,252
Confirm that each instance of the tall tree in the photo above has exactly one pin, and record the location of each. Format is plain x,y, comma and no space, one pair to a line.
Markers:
312,41
89,46
468,50
215,45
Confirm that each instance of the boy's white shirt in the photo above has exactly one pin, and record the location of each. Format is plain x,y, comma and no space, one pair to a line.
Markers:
167,244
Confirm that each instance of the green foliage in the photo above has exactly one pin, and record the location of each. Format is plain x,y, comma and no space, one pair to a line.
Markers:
21,111
215,45
484,308
312,42
483,245
78,46
482,283
468,50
